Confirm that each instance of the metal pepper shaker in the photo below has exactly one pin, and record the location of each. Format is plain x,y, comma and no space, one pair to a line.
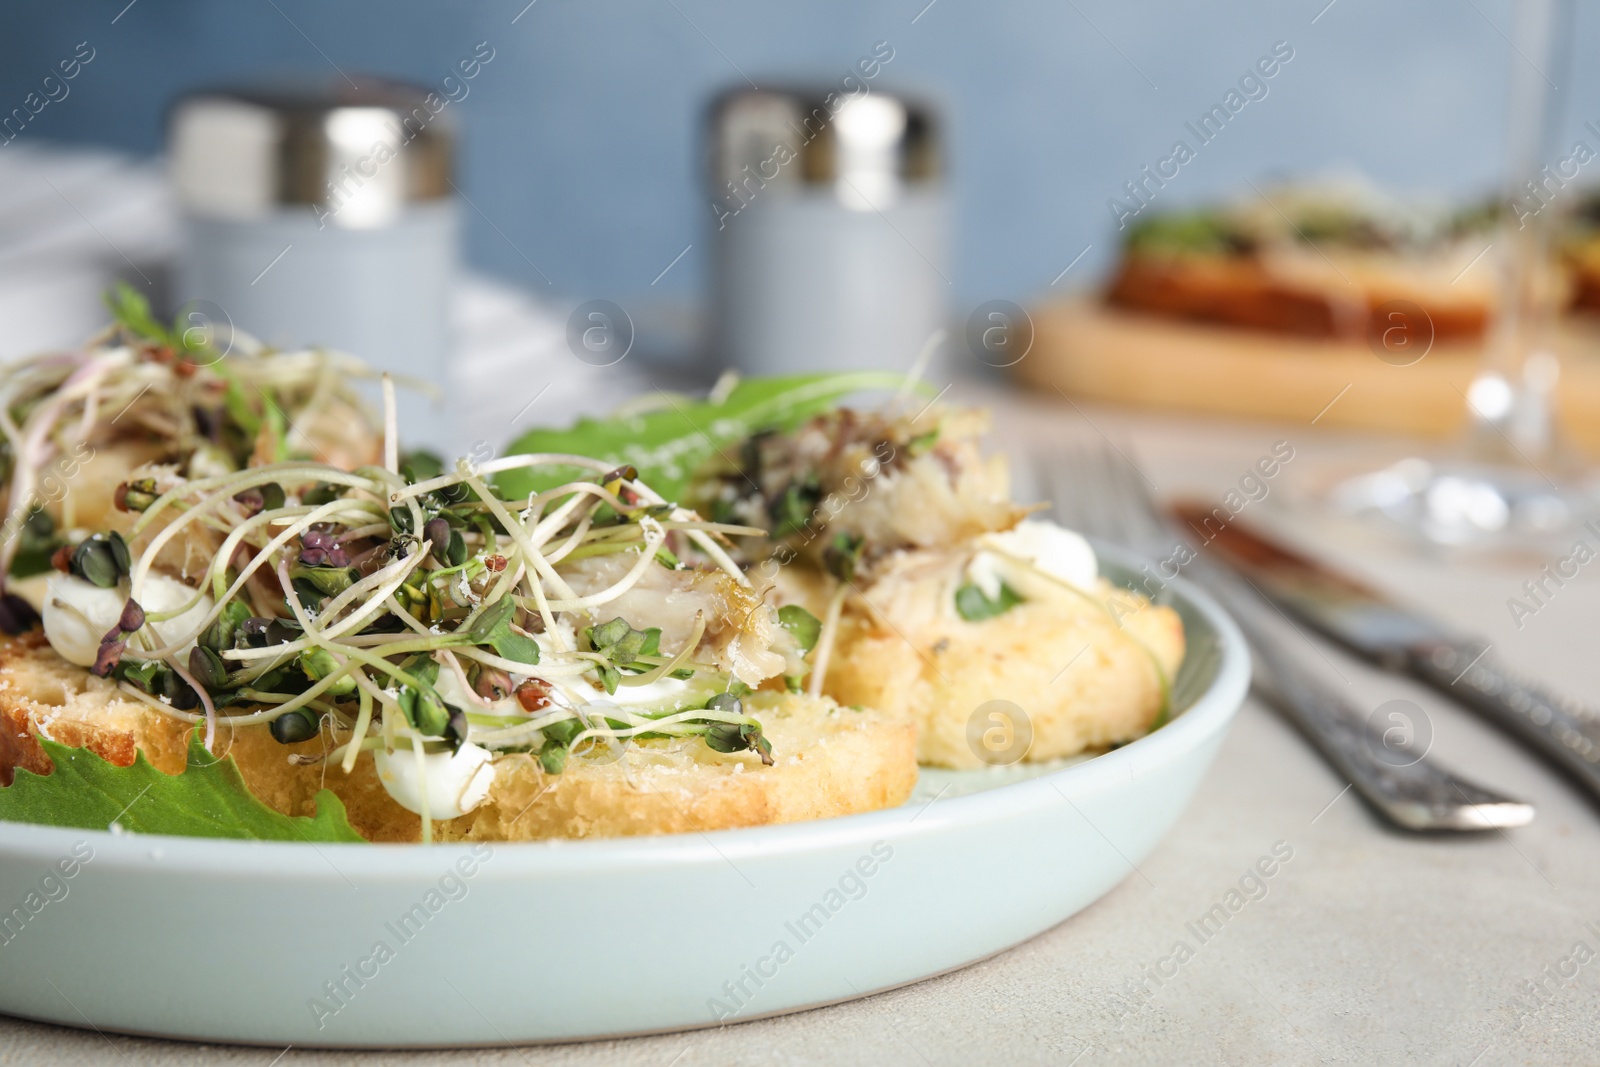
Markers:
830,229
322,218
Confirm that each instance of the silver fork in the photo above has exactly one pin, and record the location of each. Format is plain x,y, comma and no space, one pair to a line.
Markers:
1099,492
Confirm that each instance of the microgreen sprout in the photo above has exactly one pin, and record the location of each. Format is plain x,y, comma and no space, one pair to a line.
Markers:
406,605
974,605
416,607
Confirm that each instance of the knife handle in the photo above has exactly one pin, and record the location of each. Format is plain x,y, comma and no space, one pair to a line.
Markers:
1562,730
1412,791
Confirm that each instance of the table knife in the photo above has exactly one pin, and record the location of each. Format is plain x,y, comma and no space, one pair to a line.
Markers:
1372,626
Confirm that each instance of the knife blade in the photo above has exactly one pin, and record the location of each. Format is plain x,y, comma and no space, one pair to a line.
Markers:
1361,618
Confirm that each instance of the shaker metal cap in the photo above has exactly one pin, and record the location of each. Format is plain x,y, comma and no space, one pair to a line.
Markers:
867,146
356,157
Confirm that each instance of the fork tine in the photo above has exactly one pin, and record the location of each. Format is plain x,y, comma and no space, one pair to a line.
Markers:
1053,474
1085,484
1160,525
1112,503
1099,495
1123,511
1144,525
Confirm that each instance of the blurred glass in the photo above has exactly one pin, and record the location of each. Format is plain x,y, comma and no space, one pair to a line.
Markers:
1512,483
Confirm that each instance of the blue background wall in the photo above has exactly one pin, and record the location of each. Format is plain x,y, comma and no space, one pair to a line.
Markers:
581,137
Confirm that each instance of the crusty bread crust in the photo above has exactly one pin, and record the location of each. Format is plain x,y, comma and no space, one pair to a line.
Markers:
43,694
829,761
1244,291
1087,671
1582,259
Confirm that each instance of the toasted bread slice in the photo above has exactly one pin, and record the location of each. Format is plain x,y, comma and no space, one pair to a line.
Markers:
830,760
1350,301
1582,259
42,694
1326,258
1087,671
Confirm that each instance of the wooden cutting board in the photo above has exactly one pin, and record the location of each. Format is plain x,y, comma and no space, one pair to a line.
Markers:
1088,350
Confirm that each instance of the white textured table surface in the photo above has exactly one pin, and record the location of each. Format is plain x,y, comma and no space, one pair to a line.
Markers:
1367,946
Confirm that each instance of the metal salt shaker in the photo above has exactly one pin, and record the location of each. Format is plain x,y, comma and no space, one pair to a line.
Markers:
830,230
324,219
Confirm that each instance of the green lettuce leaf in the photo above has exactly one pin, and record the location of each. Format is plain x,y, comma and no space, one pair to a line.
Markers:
668,445
209,799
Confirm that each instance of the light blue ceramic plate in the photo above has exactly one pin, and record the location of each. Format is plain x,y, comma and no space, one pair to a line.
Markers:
407,946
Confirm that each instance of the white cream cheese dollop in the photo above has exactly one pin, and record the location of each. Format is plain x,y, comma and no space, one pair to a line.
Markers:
457,782
1055,550
665,690
77,614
